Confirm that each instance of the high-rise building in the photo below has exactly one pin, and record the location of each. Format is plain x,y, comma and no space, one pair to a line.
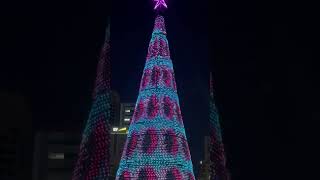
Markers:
55,154
115,108
126,113
119,130
118,139
156,146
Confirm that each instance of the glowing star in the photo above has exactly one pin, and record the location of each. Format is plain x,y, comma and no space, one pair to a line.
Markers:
160,3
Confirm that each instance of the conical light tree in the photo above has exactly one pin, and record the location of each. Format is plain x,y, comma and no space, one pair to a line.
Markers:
93,160
217,155
156,146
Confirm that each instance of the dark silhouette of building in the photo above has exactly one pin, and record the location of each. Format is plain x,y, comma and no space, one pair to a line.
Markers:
126,113
119,134
204,165
15,137
115,107
55,154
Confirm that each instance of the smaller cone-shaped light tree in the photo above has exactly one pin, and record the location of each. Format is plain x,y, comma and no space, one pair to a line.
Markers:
217,155
156,146
93,160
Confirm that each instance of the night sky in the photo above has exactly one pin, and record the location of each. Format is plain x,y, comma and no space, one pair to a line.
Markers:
261,55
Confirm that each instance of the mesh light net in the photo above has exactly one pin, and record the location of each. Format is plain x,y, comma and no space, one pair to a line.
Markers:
217,155
156,146
93,160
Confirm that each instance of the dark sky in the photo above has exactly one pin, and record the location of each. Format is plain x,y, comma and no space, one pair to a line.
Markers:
262,55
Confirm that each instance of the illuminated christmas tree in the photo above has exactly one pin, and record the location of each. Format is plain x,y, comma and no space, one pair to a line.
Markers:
217,154
93,160
156,146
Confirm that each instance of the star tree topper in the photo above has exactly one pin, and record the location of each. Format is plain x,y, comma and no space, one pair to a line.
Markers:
160,3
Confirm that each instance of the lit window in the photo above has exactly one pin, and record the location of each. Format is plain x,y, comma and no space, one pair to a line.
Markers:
127,110
115,129
123,129
56,155
126,119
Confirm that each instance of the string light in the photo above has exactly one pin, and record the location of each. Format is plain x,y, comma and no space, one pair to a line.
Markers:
93,160
156,146
218,169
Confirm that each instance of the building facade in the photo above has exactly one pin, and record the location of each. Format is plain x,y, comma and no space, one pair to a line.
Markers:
126,113
115,108
119,134
55,154
204,165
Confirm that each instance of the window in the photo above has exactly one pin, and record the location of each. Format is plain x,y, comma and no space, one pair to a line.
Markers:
56,155
126,119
